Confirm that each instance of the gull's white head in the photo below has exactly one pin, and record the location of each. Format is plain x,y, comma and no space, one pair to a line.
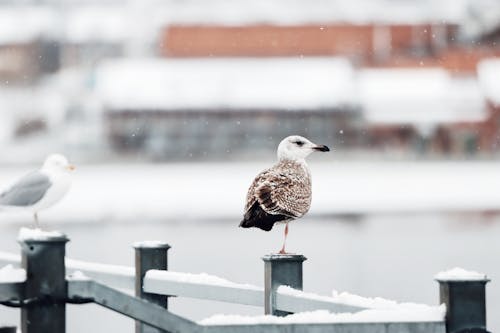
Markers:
58,163
296,147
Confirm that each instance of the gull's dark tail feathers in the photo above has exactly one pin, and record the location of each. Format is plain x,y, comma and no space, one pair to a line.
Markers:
258,218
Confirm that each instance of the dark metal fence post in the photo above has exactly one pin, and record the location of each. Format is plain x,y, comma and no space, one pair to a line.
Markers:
149,255
46,288
465,304
8,329
280,270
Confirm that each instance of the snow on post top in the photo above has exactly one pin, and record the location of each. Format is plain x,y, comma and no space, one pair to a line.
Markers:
460,274
151,244
28,234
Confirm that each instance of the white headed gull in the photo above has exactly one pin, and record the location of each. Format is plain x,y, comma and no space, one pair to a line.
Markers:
282,193
39,189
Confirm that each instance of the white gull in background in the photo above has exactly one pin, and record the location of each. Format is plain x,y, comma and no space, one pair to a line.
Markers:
39,189
282,193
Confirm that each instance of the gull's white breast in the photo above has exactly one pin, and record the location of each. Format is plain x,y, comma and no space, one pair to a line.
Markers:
61,182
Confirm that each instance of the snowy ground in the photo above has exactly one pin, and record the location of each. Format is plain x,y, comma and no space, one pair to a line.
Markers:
216,191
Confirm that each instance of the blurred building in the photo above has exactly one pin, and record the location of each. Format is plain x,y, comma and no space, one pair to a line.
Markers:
28,44
417,60
421,109
182,108
93,33
47,55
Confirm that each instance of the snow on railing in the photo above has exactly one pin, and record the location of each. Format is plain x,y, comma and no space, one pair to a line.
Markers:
202,286
400,314
10,274
10,258
293,300
115,275
210,287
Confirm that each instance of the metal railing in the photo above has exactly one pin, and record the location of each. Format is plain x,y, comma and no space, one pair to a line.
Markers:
199,286
42,297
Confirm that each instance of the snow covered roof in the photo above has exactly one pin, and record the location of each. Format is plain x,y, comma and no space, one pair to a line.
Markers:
114,21
104,23
97,23
285,12
418,96
387,96
467,100
488,72
271,83
22,24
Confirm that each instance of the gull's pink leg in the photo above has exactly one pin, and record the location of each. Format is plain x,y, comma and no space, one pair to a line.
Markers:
282,251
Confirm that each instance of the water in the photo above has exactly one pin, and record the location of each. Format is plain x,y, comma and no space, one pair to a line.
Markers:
390,256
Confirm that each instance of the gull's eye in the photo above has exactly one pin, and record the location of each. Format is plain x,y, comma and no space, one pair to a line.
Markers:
299,143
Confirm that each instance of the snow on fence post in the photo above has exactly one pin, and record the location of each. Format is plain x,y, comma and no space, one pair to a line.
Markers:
464,294
280,270
45,287
149,255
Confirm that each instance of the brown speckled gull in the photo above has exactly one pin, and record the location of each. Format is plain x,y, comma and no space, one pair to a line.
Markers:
282,193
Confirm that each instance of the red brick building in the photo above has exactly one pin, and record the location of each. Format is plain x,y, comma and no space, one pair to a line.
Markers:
364,44
374,33
423,45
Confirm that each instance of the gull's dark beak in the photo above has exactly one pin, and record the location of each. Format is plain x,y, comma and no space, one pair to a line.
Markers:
322,148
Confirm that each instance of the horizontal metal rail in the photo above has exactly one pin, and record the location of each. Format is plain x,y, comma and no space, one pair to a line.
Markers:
195,286
158,317
9,258
168,283
11,291
116,275
136,308
302,303
161,282
410,327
